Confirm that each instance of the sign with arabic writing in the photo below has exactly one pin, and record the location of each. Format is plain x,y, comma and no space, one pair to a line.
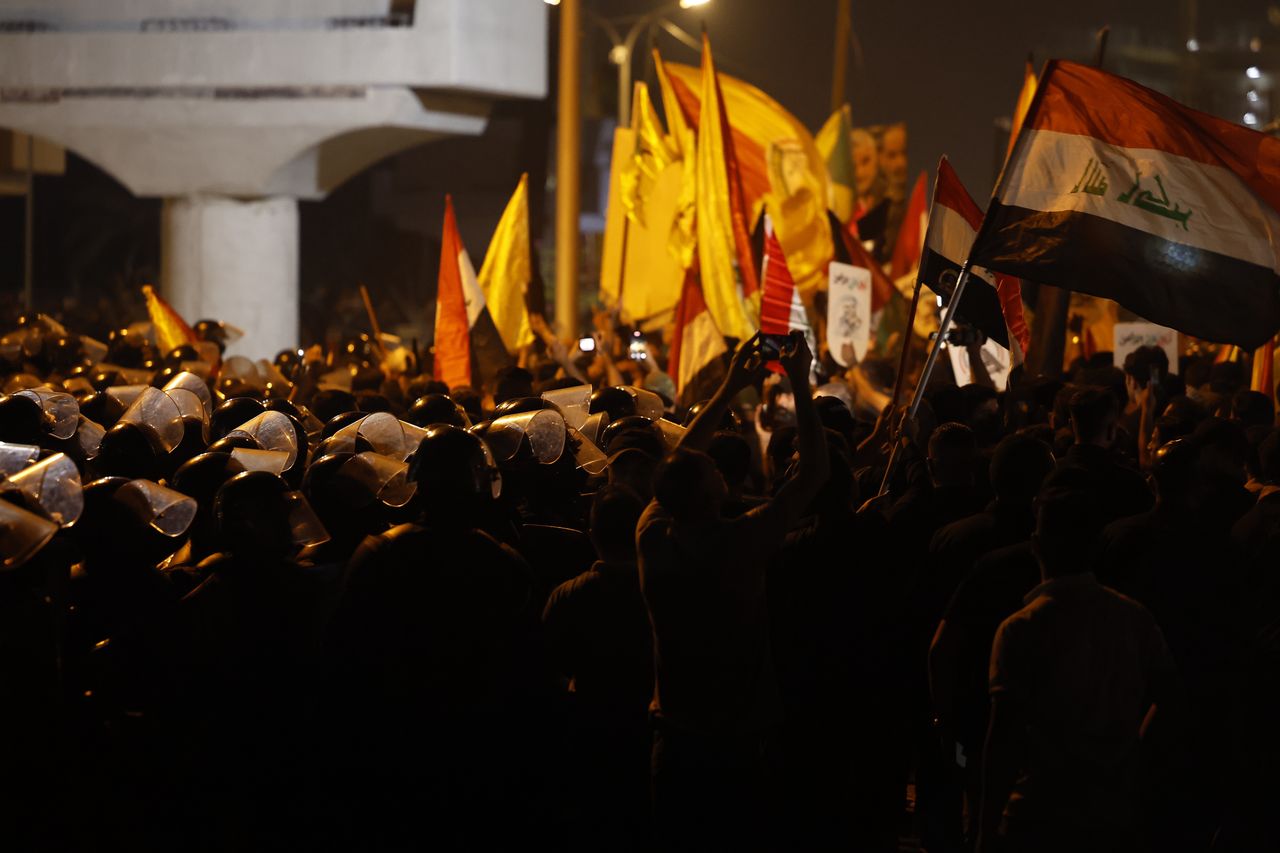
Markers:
1131,336
848,313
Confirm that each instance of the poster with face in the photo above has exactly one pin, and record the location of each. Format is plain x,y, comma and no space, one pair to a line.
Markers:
848,313
880,171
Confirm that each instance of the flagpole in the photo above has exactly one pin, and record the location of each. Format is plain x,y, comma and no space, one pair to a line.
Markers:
916,398
906,348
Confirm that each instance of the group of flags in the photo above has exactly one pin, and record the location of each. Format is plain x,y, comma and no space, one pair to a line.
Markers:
1108,189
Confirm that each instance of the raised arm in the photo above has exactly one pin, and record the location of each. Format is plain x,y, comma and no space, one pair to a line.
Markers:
811,442
743,371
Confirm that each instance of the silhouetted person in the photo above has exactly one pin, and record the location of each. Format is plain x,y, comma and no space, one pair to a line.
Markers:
1121,489
715,701
1074,675
432,651
598,638
957,658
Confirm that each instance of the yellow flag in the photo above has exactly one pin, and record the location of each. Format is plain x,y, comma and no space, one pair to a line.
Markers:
654,151
777,157
504,278
722,239
170,329
1024,103
683,231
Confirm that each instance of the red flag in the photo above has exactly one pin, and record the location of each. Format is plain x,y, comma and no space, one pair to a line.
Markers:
453,331
906,251
696,343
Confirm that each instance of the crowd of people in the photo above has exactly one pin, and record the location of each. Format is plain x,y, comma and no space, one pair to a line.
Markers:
328,602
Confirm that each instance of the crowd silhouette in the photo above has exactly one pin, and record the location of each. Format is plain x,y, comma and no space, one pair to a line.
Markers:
330,603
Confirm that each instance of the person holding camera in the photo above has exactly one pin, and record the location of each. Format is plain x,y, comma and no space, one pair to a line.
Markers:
715,701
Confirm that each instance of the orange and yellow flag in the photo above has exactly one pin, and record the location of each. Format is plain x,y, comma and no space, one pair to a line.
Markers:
170,329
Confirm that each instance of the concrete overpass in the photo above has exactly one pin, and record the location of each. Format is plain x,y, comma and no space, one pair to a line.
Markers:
234,110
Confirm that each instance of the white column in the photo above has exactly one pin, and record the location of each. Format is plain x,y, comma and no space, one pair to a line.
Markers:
235,261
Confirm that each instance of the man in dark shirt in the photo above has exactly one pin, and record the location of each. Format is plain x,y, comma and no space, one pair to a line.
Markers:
597,637
1074,678
1120,487
715,698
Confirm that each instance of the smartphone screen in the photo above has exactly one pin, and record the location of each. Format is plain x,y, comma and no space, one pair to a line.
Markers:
587,344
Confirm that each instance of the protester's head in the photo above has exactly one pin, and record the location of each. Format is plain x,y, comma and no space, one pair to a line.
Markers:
1068,522
841,491
512,382
732,456
615,512
1173,472
634,469
778,453
1253,409
952,454
470,400
982,413
1224,452
1018,468
689,486
1146,363
1094,413
1226,377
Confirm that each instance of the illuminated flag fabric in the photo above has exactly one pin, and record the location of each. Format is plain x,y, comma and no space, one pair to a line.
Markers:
834,144
1120,192
774,155
468,349
697,347
507,270
991,302
723,240
781,310
1263,380
170,329
906,251
654,151
683,235
1025,97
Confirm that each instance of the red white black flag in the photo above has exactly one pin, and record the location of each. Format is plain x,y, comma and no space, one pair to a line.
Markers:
1120,192
992,302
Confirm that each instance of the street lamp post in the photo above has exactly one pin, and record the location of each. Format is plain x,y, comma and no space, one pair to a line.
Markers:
569,136
624,48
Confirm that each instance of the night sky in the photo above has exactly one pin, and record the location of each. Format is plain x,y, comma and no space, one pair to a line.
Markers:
948,68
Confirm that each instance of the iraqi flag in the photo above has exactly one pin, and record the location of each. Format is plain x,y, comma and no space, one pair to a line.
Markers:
696,359
468,349
992,302
1117,191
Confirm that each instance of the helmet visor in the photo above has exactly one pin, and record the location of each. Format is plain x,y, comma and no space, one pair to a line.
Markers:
648,404
544,430
52,484
61,411
15,457
188,381
274,461
22,534
156,412
589,457
572,403
272,430
384,477
165,511
304,525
